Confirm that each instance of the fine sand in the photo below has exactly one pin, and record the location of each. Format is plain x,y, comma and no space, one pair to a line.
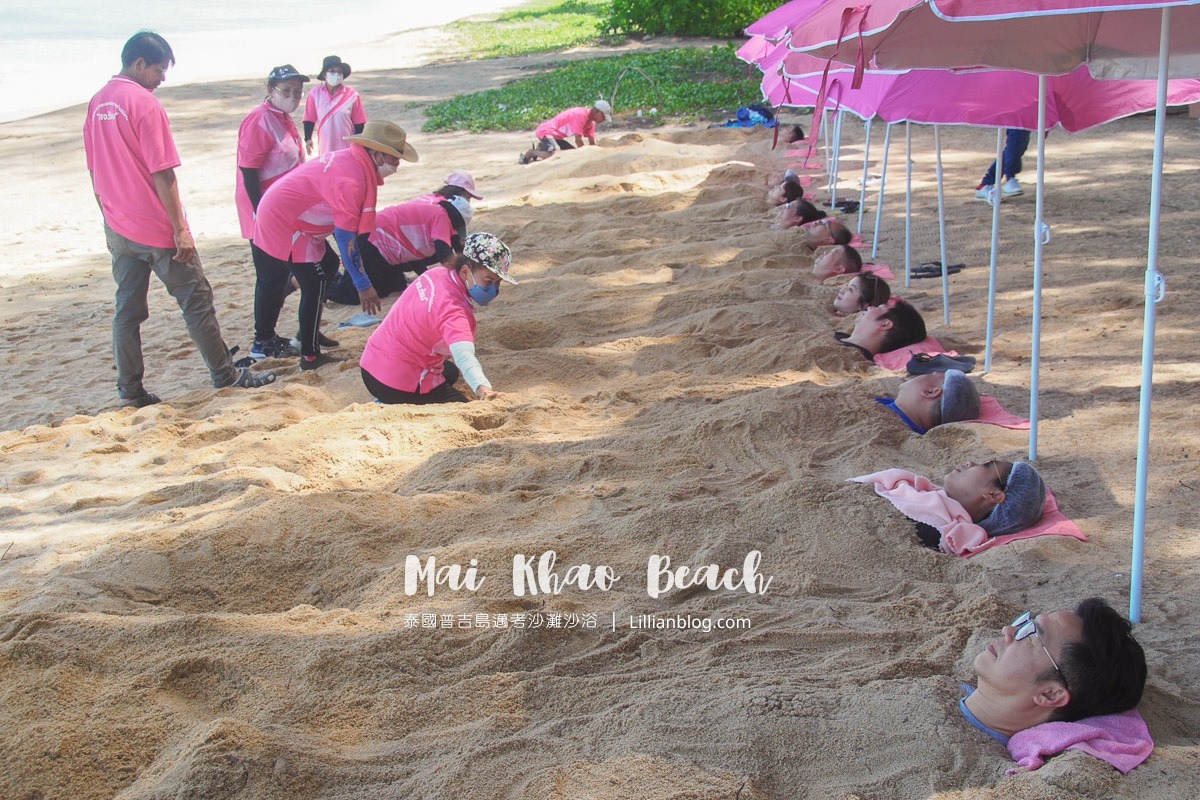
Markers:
206,598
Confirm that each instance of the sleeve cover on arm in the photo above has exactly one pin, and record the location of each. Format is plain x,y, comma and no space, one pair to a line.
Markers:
472,370
351,259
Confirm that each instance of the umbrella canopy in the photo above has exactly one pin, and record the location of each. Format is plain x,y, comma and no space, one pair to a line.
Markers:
1115,38
1076,101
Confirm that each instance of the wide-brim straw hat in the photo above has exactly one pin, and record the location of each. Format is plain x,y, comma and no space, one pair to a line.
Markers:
386,137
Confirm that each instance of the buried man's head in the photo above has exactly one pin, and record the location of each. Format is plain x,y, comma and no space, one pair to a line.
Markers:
938,398
825,232
1060,666
840,259
1003,497
884,328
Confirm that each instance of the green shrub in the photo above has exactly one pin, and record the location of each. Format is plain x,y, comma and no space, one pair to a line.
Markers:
685,83
713,18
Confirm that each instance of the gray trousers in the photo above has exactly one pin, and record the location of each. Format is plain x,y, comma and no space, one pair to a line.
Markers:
132,264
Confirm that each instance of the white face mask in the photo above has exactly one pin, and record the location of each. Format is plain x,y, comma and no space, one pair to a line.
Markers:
285,104
385,169
464,208
333,78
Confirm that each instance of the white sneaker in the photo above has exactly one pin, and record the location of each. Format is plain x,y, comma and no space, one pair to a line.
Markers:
1011,188
983,192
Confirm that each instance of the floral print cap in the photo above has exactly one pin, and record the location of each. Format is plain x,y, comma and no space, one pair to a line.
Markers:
487,250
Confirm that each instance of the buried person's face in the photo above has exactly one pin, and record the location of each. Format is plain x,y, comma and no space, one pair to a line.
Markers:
821,233
978,487
849,298
919,387
829,263
1009,667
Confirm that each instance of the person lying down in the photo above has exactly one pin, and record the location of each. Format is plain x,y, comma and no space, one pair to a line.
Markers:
976,502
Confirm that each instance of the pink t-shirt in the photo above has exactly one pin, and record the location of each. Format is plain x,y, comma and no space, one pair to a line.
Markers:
407,232
572,122
334,116
127,138
408,349
305,205
268,142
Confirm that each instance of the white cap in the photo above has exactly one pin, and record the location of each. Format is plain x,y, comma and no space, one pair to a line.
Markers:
604,107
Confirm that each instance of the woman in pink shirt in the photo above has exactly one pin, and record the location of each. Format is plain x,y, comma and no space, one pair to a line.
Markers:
405,360
333,109
269,148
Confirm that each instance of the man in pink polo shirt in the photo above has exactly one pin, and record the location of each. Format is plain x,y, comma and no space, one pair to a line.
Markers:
131,157
333,195
577,123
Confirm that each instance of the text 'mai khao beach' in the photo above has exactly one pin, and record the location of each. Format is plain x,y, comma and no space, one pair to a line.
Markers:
642,569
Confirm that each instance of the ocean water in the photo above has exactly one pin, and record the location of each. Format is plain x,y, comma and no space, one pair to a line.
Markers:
57,53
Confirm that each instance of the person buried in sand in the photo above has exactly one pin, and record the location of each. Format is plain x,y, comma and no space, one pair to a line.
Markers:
937,398
864,290
574,123
131,158
884,328
835,260
1059,667
976,502
335,194
405,358
824,232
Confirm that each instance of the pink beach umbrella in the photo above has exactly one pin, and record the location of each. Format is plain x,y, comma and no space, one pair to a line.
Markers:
1115,38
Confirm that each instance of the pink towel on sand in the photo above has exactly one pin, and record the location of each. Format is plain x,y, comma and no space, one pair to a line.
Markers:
991,413
882,270
1122,740
919,498
898,359
856,241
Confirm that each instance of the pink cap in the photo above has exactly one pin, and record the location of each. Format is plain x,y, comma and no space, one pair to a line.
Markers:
463,180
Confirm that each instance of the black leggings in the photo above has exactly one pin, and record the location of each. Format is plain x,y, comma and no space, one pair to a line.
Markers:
444,393
272,277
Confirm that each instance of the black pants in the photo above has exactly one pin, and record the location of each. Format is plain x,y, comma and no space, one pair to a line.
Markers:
272,276
444,393
385,277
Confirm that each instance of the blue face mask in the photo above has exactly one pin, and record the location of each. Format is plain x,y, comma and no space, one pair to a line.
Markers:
482,295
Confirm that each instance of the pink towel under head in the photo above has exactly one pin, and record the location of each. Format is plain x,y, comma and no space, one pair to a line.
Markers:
897,360
856,241
1122,740
919,498
991,413
882,270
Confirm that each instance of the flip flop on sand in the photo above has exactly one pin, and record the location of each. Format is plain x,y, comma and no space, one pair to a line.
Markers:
933,269
924,363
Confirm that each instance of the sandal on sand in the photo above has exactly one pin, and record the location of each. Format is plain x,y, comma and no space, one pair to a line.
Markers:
248,380
925,363
933,269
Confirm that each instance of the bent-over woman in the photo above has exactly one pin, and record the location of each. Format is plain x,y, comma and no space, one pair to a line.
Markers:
405,360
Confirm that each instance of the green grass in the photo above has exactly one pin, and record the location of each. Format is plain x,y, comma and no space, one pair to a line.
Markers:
683,84
536,28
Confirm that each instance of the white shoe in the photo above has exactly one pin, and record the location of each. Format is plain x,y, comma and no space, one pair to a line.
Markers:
1011,188
983,192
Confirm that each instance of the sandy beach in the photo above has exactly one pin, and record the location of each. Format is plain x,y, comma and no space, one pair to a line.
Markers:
206,598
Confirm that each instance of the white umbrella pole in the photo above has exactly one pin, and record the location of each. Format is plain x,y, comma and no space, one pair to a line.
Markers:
908,206
837,158
1155,287
995,200
937,145
828,161
887,143
862,189
1039,240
